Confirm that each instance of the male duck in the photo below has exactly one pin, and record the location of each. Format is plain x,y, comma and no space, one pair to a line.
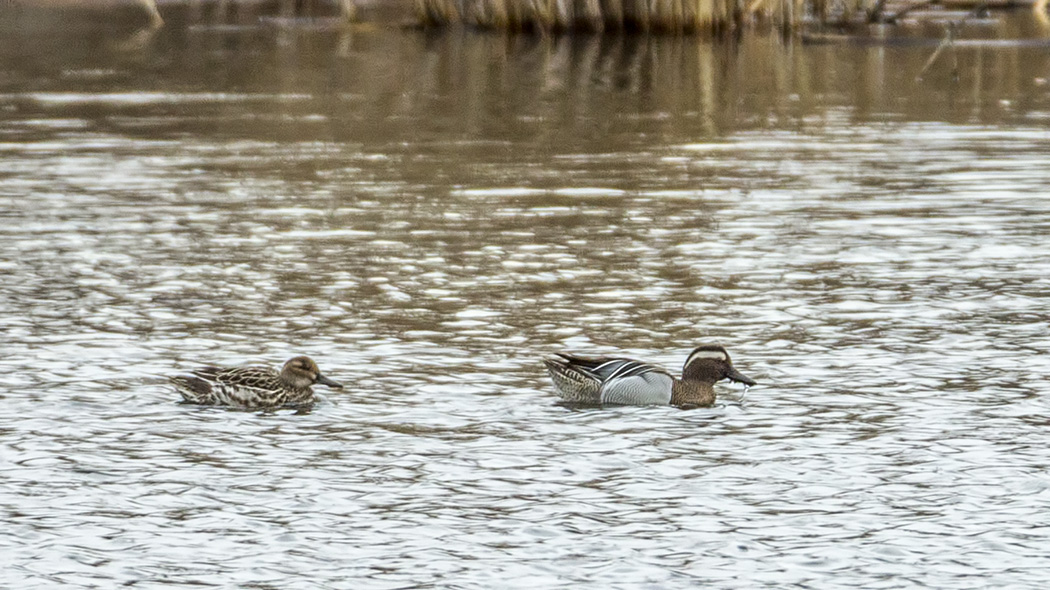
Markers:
253,387
629,382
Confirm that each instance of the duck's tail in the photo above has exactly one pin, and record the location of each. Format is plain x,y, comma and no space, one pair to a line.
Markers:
572,381
193,389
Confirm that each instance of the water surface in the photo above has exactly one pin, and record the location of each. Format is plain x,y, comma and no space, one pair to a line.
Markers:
428,216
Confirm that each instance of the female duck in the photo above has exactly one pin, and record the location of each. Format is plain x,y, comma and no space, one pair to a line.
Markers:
253,387
628,382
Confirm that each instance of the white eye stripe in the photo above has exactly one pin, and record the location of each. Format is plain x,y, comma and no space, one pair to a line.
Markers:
708,354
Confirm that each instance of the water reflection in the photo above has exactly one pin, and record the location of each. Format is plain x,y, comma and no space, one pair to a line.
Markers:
427,217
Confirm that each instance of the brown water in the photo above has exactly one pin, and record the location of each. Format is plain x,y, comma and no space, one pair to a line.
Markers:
428,216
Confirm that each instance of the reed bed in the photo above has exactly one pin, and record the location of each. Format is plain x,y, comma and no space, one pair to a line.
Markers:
678,16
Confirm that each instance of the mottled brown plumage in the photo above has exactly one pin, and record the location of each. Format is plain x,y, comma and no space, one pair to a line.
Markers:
253,387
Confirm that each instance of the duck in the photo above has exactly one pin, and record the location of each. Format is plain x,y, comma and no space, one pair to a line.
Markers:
622,381
253,386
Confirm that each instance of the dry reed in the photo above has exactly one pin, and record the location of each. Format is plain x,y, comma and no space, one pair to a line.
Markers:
675,16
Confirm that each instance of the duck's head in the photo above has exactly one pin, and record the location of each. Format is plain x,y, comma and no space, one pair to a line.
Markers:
302,371
711,363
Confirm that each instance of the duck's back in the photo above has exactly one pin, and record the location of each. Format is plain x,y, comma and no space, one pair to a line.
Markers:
241,386
609,381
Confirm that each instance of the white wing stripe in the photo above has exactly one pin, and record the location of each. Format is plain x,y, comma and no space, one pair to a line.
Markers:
629,368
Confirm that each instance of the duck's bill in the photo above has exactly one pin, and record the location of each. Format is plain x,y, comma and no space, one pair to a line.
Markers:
739,377
326,381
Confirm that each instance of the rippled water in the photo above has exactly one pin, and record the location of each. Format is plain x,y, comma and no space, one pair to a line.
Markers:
429,217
